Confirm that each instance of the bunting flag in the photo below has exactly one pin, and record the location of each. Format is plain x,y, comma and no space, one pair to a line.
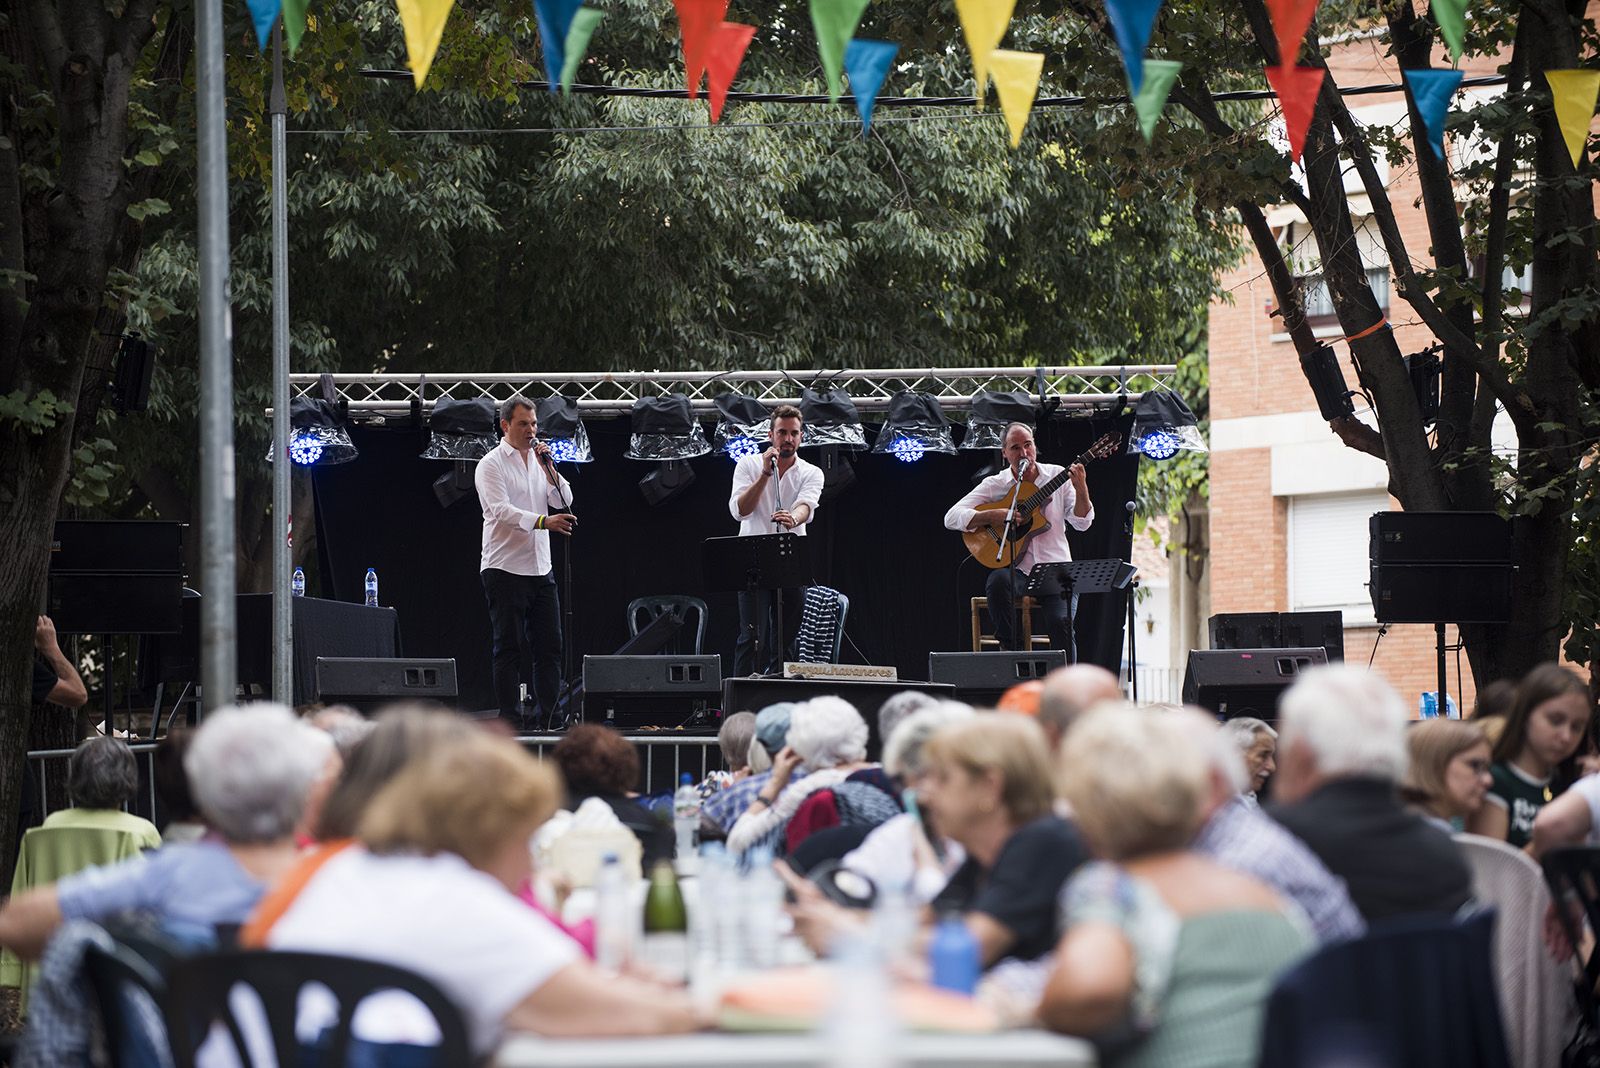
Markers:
984,22
423,22
1159,76
1573,93
1290,19
867,63
1132,21
1016,83
1431,91
263,13
1451,15
724,52
294,22
1297,89
554,18
584,20
697,24
835,22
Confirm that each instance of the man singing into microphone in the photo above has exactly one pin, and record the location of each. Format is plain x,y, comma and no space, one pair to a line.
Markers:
519,488
1069,505
772,493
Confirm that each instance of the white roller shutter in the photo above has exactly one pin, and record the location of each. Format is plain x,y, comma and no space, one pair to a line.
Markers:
1328,553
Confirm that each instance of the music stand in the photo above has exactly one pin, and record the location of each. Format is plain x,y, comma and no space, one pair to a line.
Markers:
752,563
1079,576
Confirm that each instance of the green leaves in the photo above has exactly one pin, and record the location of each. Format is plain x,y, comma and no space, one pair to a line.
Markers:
148,208
33,412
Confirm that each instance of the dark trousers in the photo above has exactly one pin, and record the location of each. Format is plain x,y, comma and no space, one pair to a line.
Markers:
525,614
1005,587
760,609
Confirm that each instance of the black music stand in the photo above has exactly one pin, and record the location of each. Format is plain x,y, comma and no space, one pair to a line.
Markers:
1079,576
752,563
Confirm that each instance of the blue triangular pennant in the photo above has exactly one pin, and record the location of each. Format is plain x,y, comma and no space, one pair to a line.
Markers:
555,19
263,13
1132,21
867,63
1431,91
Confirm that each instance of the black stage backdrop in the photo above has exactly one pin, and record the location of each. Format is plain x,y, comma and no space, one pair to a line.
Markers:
882,542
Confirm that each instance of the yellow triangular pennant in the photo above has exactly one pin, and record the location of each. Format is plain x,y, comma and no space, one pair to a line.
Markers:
1016,83
984,23
423,22
1573,92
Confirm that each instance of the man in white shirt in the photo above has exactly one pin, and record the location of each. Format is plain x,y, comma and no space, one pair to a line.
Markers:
523,499
1070,505
773,492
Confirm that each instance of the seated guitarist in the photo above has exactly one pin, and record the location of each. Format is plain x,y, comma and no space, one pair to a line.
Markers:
1006,585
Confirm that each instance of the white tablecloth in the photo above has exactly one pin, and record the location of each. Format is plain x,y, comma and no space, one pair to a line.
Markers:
1009,1049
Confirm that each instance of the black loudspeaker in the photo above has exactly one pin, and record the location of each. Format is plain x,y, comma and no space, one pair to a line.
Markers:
116,577
980,678
108,545
1245,682
368,682
130,383
628,692
1278,630
1441,567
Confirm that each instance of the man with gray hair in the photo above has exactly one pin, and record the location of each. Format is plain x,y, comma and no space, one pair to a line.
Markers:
1258,744
523,499
1341,754
1071,691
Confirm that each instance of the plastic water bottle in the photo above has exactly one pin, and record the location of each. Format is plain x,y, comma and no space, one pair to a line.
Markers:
953,957
1428,706
613,916
716,920
686,821
372,588
861,1029
762,901
297,584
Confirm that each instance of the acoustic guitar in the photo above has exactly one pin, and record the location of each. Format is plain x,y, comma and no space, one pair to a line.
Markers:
985,544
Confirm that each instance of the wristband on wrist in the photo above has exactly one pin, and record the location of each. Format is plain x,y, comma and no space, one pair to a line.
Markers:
538,522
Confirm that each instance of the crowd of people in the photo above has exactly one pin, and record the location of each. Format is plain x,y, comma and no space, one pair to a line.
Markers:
1139,876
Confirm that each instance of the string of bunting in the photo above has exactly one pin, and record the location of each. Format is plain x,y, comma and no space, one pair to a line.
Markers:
713,49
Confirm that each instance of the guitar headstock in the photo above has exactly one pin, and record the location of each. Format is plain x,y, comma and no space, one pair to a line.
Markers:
1107,445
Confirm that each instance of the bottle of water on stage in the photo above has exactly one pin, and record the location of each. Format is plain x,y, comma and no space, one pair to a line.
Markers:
297,584
686,821
614,917
372,588
665,949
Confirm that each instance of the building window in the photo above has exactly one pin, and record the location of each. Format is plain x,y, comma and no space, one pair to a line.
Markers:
1319,301
1328,564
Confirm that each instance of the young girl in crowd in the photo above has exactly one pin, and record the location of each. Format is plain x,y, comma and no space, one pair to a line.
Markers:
1449,774
1535,757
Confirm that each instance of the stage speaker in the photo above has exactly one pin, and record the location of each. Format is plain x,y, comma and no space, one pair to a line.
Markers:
1440,567
629,692
1243,630
980,678
1245,682
1278,630
369,682
116,577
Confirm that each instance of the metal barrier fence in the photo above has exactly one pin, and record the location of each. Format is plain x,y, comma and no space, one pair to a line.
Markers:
661,761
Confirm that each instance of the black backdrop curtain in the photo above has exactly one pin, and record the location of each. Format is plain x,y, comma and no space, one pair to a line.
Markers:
882,542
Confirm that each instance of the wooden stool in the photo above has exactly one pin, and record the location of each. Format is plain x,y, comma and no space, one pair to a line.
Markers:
984,642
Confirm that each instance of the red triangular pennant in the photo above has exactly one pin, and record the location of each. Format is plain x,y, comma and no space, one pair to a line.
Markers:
723,56
697,21
1297,89
1289,21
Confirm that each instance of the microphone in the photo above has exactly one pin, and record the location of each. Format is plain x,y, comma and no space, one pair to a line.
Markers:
1020,466
774,464
1127,524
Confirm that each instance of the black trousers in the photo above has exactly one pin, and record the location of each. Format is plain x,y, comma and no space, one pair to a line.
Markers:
760,610
1005,587
525,614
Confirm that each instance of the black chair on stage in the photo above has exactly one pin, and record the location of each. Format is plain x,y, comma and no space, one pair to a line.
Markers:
200,996
643,610
128,991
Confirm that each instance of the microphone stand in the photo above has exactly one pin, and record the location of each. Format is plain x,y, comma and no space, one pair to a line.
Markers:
777,623
560,720
1005,537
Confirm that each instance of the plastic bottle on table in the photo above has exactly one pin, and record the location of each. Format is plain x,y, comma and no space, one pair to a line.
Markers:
953,957
613,916
297,584
372,588
686,821
862,1029
761,899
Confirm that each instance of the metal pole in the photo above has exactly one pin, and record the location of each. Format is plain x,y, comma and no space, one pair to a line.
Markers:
218,658
282,509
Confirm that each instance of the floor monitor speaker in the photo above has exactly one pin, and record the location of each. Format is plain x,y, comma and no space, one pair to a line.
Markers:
366,683
1245,682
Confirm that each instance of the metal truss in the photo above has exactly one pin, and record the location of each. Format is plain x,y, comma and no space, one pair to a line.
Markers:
1085,388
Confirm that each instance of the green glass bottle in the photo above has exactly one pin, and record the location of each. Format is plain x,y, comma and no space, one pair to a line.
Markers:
666,926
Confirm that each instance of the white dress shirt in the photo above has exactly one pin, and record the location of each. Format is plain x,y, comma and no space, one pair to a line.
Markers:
513,495
1049,547
801,484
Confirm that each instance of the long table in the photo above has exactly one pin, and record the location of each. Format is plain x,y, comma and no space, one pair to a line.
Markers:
1006,1049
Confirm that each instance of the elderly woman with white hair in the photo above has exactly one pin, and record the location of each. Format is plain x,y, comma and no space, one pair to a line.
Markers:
250,770
829,737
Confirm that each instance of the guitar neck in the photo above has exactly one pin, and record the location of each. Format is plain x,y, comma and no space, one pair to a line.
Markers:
1047,490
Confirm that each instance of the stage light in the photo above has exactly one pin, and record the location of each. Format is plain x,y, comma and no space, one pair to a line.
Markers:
318,436
1163,426
664,428
739,447
830,419
916,426
562,430
992,412
462,430
742,424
